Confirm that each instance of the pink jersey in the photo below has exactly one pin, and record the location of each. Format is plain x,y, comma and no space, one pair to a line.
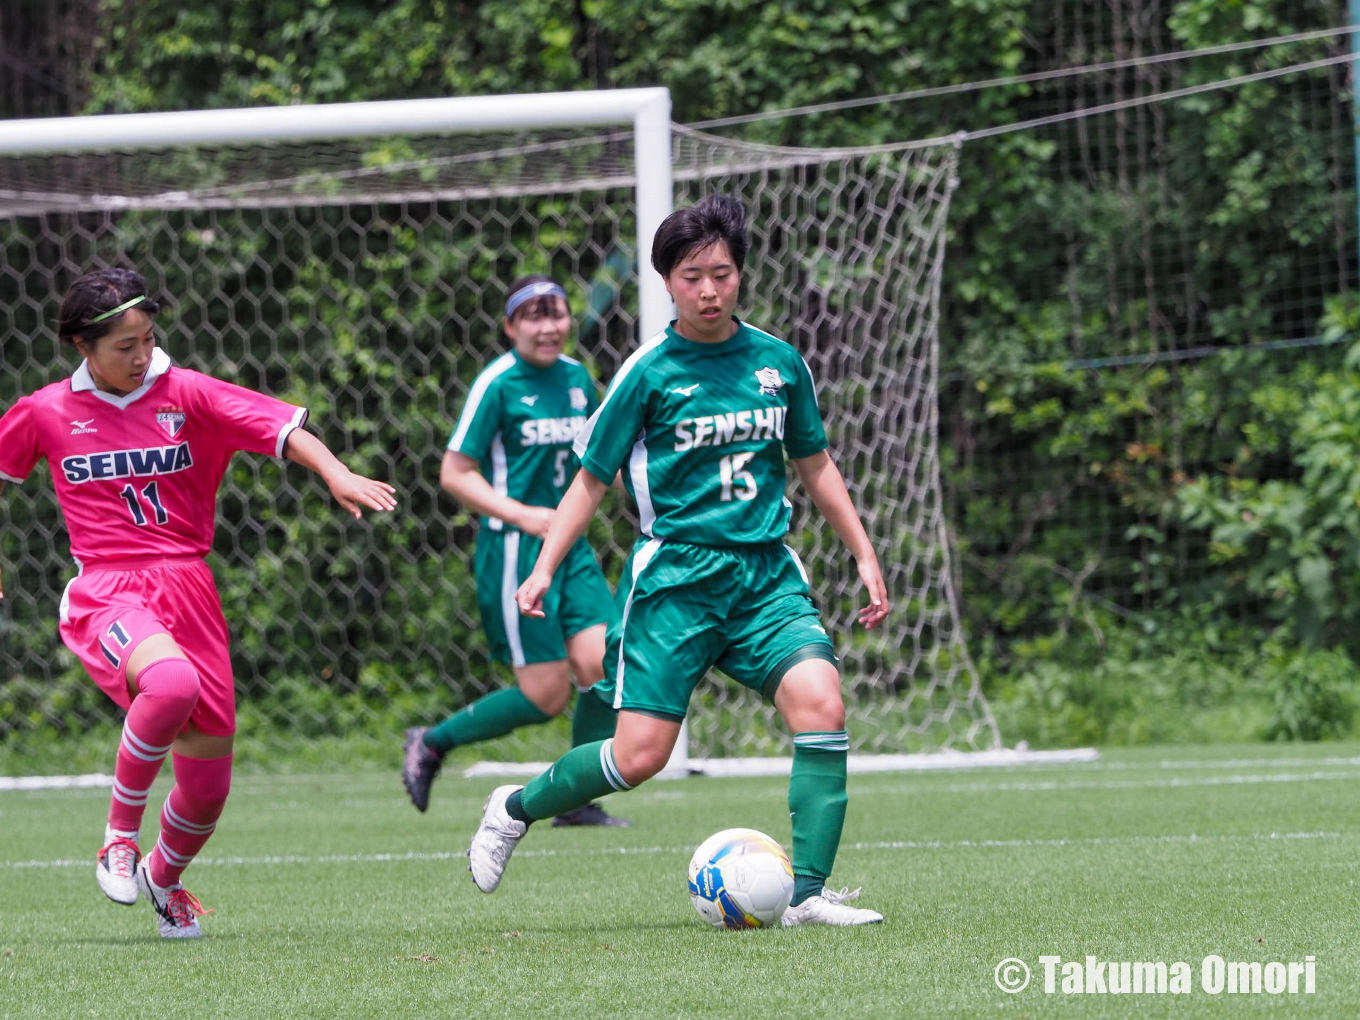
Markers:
137,475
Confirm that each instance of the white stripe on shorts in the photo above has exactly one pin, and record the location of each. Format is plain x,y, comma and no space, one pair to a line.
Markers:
640,561
509,607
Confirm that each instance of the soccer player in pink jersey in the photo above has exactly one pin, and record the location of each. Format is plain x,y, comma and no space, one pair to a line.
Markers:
138,448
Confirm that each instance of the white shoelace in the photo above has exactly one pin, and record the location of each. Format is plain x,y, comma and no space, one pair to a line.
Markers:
844,896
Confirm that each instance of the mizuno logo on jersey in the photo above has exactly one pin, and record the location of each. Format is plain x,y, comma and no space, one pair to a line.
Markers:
687,391
544,431
531,401
98,467
759,424
82,427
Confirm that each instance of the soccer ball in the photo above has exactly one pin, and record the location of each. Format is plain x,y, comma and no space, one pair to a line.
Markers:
740,878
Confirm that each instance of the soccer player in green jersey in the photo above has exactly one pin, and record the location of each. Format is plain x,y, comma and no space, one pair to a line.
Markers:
699,419
510,458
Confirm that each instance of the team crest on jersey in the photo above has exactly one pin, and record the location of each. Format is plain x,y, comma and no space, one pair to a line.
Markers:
578,398
171,419
770,382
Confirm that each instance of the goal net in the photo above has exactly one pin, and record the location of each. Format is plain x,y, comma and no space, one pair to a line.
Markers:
365,280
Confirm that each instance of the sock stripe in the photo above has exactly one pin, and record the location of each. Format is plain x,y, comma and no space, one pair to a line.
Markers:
169,815
834,740
130,797
611,771
139,748
175,860
142,756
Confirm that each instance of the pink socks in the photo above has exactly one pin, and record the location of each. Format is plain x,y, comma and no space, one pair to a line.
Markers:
189,816
169,692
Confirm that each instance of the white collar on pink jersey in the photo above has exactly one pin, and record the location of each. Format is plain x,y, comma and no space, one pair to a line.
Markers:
83,382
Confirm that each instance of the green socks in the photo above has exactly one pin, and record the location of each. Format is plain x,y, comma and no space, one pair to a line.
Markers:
578,777
594,720
816,807
494,715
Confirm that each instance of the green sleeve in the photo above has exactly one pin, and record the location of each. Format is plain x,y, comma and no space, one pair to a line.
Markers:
803,431
480,420
608,438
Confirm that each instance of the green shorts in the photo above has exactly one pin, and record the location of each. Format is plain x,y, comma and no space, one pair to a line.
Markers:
685,608
579,598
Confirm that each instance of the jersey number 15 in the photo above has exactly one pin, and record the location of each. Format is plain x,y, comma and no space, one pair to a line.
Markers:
736,481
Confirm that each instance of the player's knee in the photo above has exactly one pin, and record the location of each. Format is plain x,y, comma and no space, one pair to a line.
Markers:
555,702
549,698
639,764
588,671
822,709
172,682
832,712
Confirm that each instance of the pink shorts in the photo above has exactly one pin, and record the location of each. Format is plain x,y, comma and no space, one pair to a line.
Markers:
112,607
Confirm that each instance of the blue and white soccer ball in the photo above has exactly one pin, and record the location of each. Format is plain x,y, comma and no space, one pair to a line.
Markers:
740,878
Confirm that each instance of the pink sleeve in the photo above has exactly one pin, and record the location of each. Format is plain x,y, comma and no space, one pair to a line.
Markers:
246,420
19,449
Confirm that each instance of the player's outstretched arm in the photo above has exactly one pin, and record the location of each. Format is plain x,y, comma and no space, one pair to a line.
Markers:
569,523
824,484
351,491
462,479
2,587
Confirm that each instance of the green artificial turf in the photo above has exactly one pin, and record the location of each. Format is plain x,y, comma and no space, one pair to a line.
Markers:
334,898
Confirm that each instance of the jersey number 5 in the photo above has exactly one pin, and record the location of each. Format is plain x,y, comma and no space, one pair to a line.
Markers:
560,468
732,475
152,498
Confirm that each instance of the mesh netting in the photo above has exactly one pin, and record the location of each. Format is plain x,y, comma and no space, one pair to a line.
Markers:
366,282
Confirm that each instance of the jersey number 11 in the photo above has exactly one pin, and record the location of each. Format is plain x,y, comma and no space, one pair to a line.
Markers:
153,499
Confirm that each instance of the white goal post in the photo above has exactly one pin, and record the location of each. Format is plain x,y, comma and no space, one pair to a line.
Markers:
648,110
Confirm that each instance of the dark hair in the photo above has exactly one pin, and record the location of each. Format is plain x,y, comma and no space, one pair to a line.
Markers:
540,306
94,294
688,231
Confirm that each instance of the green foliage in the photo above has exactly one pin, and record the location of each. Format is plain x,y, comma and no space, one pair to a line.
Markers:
1313,697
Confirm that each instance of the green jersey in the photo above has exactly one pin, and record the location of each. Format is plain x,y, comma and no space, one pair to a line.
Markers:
700,431
519,423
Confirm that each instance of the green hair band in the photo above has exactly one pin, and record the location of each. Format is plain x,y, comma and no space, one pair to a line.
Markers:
114,311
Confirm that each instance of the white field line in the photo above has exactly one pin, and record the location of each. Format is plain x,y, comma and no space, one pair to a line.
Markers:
1190,839
266,784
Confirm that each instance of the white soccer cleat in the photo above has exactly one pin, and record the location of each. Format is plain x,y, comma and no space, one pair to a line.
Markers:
494,840
177,910
830,908
116,867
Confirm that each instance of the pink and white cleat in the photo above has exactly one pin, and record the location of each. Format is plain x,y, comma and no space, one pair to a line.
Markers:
116,866
177,910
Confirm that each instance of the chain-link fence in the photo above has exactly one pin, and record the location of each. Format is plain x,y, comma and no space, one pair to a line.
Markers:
366,283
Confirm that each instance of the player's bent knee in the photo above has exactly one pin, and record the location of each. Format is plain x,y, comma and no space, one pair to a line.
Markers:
640,764
552,701
588,672
831,714
172,682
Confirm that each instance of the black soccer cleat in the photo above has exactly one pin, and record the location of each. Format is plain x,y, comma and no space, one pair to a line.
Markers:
419,766
590,814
